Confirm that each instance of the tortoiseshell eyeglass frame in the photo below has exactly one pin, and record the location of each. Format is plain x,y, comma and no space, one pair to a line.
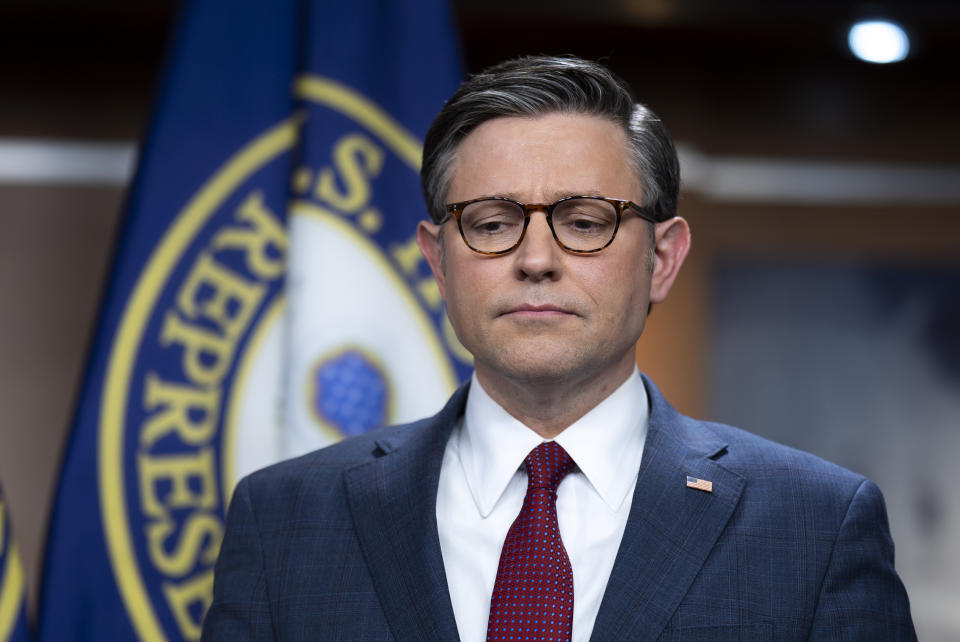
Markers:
456,209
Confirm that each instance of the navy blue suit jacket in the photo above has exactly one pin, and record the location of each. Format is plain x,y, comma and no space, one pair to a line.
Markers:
342,544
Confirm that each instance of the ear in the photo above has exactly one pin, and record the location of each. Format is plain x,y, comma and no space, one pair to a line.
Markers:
671,244
428,238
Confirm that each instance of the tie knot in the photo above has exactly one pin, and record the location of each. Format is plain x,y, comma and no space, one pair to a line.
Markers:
547,465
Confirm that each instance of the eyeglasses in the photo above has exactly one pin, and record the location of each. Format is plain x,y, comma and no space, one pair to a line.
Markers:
580,224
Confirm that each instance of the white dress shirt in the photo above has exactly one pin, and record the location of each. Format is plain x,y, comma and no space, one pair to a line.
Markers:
483,483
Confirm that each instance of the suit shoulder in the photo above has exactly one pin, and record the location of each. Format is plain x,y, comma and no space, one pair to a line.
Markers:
318,475
790,482
767,463
748,449
331,461
744,453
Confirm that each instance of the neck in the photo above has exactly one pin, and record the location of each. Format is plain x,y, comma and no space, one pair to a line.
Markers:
550,406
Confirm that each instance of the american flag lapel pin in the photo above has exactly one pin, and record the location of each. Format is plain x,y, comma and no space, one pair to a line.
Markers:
699,484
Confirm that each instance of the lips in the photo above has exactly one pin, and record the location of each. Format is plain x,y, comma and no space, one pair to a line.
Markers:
538,311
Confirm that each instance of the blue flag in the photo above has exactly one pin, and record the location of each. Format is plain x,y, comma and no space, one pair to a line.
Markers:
267,296
13,612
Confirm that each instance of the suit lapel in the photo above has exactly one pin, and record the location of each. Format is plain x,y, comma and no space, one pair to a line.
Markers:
393,502
671,528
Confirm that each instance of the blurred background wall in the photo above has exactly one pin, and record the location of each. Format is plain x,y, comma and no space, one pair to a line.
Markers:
820,304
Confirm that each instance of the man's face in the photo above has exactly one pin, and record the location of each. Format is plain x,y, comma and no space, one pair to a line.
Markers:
541,314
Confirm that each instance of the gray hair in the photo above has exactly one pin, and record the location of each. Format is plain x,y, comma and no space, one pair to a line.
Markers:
539,85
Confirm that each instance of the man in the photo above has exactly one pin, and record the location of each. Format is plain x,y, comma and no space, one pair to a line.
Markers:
558,495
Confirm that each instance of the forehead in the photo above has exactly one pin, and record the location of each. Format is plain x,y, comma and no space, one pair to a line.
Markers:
544,158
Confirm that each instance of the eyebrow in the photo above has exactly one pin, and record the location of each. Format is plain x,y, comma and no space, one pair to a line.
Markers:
553,197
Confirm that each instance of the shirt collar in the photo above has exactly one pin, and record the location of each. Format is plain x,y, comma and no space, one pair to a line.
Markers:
606,443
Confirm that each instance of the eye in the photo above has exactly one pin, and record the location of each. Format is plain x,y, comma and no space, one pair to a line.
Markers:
491,218
585,218
490,226
585,224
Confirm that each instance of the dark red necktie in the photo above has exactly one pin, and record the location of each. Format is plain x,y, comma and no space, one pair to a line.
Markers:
533,595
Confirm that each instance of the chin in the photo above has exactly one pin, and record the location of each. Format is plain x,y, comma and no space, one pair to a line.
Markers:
542,365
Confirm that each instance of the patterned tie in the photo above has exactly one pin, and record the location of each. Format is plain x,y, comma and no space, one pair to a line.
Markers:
533,595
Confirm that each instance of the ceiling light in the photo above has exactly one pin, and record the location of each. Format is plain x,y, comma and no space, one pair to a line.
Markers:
878,41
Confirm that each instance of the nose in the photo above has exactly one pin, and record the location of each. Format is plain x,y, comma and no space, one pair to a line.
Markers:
538,257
